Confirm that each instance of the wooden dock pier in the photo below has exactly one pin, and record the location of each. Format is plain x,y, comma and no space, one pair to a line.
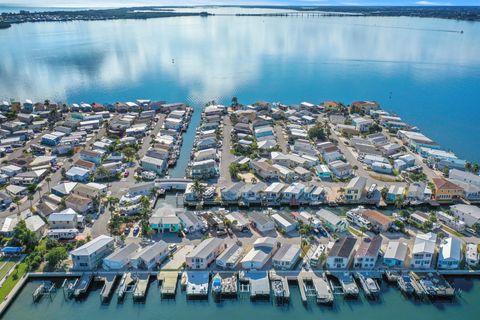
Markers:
140,290
168,283
109,283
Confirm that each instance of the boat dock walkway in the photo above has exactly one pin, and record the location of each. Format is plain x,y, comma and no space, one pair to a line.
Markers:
109,282
140,290
168,280
258,283
314,285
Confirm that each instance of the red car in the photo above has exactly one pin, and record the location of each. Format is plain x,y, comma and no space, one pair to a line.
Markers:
125,174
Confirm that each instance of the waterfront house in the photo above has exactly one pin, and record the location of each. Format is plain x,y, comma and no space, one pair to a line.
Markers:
469,214
204,253
423,250
395,254
263,249
273,192
378,220
264,170
293,192
355,189
90,255
416,140
366,256
150,256
395,192
204,169
253,193
463,176
446,191
120,258
232,192
418,192
341,169
82,205
206,143
284,222
237,221
286,257
230,257
450,221
141,189
154,165
161,222
471,254
331,221
207,154
341,253
191,222
261,222
449,253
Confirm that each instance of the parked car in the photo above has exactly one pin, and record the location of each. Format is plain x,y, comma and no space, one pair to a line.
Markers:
172,247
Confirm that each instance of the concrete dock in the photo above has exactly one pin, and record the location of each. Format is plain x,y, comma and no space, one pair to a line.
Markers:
109,282
168,281
140,290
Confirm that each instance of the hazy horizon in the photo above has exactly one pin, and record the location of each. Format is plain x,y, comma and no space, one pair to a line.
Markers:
133,3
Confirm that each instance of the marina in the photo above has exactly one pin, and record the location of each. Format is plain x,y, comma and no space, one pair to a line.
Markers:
88,162
348,308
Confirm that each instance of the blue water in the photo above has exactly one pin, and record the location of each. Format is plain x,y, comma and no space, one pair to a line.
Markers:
391,305
423,69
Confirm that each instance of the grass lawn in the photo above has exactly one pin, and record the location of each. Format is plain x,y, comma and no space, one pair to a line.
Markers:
5,266
12,280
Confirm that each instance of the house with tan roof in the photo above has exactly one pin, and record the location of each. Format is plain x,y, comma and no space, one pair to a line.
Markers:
446,191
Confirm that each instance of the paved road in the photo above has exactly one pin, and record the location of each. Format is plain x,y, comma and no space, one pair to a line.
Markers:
119,188
282,142
226,157
354,162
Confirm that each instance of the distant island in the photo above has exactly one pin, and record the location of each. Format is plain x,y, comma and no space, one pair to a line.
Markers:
8,18
466,13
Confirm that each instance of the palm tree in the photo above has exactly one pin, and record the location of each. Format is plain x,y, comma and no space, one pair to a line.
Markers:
39,189
30,197
48,179
17,203
145,202
199,188
102,171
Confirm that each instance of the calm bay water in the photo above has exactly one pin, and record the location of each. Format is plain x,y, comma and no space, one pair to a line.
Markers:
392,305
423,69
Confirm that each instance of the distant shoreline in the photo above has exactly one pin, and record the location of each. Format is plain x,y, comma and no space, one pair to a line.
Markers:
461,13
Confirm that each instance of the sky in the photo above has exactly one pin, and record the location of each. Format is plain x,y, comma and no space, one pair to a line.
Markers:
130,3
